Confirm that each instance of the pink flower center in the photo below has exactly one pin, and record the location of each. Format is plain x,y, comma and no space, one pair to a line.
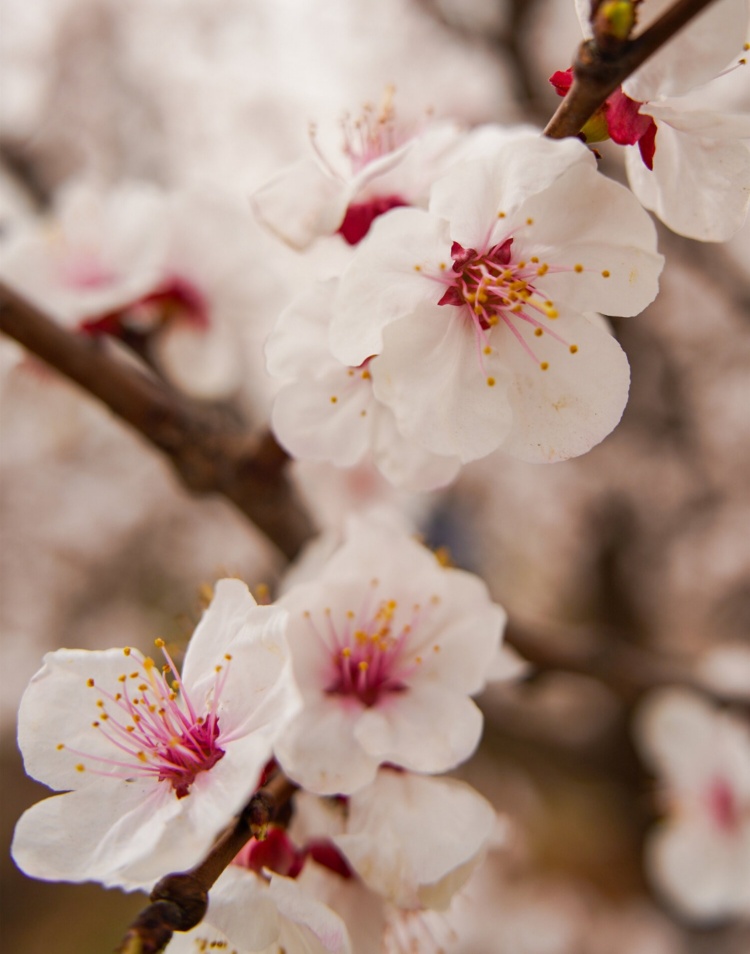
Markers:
372,653
176,299
494,289
152,723
723,807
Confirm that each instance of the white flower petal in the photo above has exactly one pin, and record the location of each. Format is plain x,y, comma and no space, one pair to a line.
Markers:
387,280
307,921
424,729
472,194
430,375
241,907
301,203
405,832
586,219
699,186
298,345
576,402
318,749
404,463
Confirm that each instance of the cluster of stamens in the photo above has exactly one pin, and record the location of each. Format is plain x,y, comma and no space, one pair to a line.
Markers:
152,722
372,652
495,289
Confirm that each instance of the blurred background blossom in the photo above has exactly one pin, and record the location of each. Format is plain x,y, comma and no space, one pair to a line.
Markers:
623,570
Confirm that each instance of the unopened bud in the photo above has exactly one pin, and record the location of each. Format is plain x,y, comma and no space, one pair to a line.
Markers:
613,20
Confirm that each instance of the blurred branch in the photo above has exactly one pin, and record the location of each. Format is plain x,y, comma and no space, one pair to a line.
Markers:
626,669
603,63
179,901
210,451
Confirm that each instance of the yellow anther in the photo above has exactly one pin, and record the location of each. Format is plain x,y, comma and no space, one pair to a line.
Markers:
552,313
436,648
543,269
516,309
418,660
60,746
544,365
142,756
578,268
350,372
573,349
334,399
228,657
501,215
159,643
534,259
175,685
127,650
492,319
363,413
143,687
490,382
442,266
363,666
118,696
538,332
216,669
487,349
366,375
417,268
80,767
90,683
529,221
605,273
346,652
95,725
130,728
136,718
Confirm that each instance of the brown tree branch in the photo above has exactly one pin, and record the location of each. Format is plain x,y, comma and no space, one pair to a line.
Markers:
179,901
209,449
597,71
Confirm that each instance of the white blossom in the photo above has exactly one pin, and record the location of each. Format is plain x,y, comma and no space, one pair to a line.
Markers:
699,858
154,763
387,647
474,313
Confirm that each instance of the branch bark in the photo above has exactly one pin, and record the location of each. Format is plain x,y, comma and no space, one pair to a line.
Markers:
598,72
209,449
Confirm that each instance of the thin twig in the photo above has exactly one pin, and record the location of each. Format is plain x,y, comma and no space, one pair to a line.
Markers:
179,901
210,451
597,73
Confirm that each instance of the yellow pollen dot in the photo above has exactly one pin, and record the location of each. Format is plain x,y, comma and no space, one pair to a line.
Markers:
542,270
172,696
60,746
529,221
538,332
516,309
159,643
578,268
134,675
100,703
95,725
501,215
417,268
118,696
175,685
522,265
746,46
334,399
363,666
142,756
535,259
742,61
126,651
487,349
573,349
165,668
346,652
490,382
436,649
80,767
228,657
418,660
143,687
544,365
366,375
306,614
104,716
553,313
605,273
136,702
350,614
218,668
492,320
363,413
442,266
90,683
434,599
130,728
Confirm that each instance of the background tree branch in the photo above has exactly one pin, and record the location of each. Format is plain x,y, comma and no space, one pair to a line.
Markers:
210,450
